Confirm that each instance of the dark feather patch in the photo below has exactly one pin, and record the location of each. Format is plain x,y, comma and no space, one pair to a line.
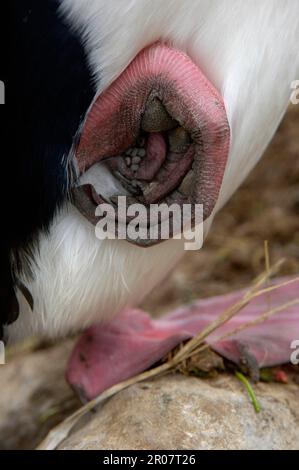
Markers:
48,90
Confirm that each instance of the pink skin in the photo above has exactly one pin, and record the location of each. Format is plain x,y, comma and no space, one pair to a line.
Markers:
155,157
113,123
132,342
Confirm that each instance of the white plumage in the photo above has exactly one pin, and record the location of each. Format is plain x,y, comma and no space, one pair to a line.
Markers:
249,51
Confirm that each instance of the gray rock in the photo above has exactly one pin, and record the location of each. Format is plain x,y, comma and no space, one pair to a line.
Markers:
34,396
177,412
173,412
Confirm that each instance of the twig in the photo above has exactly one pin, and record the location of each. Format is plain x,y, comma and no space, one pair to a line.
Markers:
260,319
267,268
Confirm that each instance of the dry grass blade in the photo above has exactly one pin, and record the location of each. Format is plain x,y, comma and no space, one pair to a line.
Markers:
61,431
231,311
267,267
260,319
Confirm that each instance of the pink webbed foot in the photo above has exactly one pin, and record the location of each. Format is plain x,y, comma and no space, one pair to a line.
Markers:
109,353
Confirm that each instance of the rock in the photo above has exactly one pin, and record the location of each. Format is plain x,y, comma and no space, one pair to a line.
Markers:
172,412
177,412
34,396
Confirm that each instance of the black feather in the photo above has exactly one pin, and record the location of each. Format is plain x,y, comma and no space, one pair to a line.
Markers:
48,89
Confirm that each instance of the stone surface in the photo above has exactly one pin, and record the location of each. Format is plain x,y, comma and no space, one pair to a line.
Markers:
173,412
34,396
177,412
